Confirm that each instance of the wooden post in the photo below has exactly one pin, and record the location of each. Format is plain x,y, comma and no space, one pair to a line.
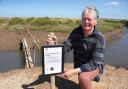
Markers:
52,80
34,55
51,35
28,58
33,38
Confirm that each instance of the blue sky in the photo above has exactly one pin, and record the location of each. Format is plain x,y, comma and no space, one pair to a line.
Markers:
116,9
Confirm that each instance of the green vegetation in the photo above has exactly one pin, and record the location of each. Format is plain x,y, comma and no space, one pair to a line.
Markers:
109,25
56,24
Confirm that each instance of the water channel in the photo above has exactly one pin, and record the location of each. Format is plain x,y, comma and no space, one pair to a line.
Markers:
116,55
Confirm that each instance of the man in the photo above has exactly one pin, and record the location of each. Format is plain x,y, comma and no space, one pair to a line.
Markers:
88,48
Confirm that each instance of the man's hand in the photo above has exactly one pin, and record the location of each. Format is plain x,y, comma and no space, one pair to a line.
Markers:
70,72
52,39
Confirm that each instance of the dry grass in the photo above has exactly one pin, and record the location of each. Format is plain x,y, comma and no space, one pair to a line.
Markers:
32,79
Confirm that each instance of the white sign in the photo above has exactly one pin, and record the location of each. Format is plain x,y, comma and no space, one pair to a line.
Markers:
52,59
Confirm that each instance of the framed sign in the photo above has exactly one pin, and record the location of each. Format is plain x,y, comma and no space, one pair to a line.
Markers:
52,59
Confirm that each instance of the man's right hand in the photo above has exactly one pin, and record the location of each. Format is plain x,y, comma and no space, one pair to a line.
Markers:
52,39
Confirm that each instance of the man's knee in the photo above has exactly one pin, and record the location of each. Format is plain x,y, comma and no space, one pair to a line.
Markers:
84,81
84,77
88,76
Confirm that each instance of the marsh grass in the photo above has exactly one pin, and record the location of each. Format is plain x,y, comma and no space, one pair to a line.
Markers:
109,25
47,24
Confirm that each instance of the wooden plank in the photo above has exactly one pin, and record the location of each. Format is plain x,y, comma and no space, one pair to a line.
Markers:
33,39
28,58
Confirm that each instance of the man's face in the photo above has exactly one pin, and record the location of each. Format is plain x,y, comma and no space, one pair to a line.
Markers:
88,21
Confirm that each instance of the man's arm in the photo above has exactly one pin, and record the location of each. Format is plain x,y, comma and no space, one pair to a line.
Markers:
70,72
97,60
67,45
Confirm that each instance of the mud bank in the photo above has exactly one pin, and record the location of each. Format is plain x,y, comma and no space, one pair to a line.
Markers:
9,40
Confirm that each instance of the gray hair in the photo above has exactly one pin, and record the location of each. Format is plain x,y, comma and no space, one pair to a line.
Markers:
91,8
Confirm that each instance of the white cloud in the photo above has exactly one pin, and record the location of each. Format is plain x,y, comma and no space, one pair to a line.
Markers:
112,3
